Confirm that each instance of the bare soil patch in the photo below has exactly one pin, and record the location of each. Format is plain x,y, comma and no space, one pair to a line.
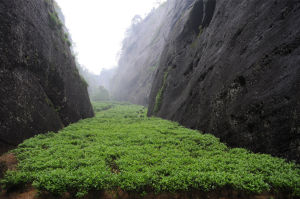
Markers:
31,193
8,161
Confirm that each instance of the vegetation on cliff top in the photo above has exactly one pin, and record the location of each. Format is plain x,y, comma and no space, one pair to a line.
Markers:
121,148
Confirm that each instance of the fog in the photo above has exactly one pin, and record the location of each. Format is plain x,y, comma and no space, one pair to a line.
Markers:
98,28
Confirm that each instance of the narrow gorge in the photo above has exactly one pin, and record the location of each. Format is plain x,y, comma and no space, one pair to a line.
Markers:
230,68
200,100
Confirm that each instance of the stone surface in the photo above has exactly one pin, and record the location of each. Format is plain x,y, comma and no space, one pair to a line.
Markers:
141,53
232,68
40,87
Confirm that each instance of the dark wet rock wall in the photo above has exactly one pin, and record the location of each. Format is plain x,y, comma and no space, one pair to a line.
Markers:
232,68
40,87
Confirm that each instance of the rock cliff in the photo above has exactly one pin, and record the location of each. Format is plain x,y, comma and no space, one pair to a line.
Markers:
40,87
232,68
141,53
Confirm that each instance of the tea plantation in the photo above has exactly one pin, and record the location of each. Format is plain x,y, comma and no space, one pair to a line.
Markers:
121,148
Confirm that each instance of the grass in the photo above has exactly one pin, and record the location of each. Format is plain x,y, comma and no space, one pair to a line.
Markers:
121,148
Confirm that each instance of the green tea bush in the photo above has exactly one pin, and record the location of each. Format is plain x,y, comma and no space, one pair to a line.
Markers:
121,148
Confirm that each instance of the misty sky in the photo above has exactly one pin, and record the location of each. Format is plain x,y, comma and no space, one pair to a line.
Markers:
98,27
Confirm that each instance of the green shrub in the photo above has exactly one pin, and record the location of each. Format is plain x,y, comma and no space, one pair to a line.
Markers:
83,80
158,98
54,21
150,154
66,40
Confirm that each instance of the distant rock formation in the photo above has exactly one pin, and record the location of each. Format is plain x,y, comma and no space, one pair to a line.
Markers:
99,85
106,76
141,53
40,87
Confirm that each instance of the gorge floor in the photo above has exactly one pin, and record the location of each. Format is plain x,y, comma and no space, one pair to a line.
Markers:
121,153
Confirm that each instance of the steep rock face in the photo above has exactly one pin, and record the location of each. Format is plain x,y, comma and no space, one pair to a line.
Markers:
232,68
40,87
141,53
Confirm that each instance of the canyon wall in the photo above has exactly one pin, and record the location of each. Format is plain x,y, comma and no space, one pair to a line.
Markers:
141,52
232,69
40,87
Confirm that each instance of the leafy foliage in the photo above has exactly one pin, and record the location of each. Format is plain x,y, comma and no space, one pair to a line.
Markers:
159,95
67,40
83,80
121,148
54,21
